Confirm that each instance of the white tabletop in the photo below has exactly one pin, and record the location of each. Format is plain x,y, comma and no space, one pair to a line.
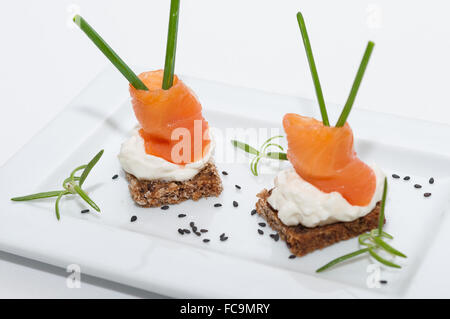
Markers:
45,62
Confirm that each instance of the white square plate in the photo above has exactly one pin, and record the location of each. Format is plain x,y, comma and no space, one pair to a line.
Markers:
151,254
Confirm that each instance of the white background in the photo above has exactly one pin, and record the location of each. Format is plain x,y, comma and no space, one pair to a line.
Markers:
45,62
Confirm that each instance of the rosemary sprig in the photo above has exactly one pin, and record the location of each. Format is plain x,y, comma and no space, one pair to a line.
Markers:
71,185
312,67
373,242
356,83
109,53
169,66
262,152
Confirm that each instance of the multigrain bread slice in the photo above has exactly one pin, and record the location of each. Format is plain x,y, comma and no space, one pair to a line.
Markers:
158,193
302,240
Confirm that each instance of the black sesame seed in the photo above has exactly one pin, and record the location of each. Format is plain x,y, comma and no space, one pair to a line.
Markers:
427,194
260,232
84,211
223,238
194,228
115,176
235,203
292,256
133,218
275,236
186,231
203,230
165,207
417,186
406,178
218,205
181,231
262,224
206,240
197,233
237,186
253,212
383,282
395,176
224,172
223,235
431,181
191,224
181,215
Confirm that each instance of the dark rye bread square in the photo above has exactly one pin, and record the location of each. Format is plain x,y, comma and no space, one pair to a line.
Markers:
156,193
302,240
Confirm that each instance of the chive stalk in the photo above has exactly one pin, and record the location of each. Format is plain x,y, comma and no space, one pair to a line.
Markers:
169,66
356,83
109,53
312,67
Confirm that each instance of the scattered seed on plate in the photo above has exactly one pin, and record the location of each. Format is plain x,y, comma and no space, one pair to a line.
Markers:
292,256
191,224
84,211
197,233
235,203
383,282
203,230
181,231
260,232
427,194
417,186
395,176
217,205
115,176
253,212
223,238
133,218
237,186
181,215
194,229
186,231
206,240
225,173
262,224
431,181
165,207
406,178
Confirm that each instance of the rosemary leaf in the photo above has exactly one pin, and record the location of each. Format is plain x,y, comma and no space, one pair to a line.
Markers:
86,198
382,260
343,258
37,196
61,194
89,167
245,147
277,155
381,243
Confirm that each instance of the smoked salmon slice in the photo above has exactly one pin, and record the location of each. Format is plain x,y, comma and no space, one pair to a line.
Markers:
325,157
161,112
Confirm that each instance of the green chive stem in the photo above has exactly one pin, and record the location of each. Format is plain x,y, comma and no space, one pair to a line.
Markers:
109,53
343,258
36,196
355,87
383,204
169,66
312,67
